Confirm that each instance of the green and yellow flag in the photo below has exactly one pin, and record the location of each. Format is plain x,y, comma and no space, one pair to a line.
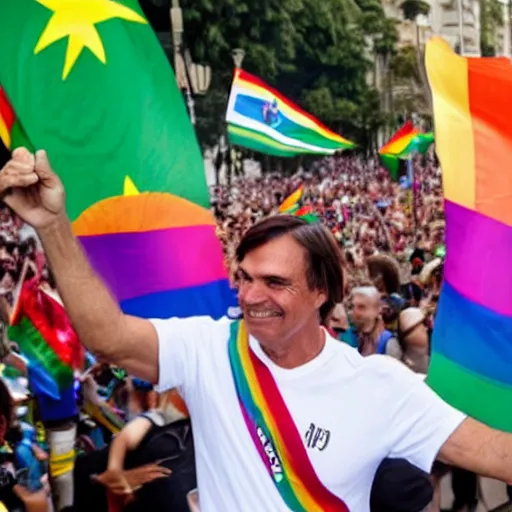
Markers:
89,82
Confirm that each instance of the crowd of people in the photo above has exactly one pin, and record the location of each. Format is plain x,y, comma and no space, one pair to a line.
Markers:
392,238
355,198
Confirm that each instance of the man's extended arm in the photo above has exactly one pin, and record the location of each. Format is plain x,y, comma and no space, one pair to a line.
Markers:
480,449
123,340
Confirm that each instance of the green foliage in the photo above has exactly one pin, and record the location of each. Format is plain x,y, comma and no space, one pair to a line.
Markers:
405,64
414,8
491,18
314,52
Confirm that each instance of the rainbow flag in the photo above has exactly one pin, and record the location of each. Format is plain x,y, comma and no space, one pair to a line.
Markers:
291,201
398,147
306,213
292,205
422,142
471,364
7,118
108,111
41,328
262,119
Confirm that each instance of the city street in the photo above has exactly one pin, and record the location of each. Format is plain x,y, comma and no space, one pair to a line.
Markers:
493,495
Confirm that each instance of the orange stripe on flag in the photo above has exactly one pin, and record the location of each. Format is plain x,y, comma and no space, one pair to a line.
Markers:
490,105
291,200
400,140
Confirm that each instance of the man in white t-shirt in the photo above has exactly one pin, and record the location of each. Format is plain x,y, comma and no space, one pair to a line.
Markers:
348,412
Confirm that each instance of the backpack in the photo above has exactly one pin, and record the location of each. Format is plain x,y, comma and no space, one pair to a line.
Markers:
382,342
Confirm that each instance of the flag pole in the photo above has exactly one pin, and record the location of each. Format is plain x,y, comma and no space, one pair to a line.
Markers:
412,179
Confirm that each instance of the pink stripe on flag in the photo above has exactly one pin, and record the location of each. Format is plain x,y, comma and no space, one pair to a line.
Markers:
479,258
138,264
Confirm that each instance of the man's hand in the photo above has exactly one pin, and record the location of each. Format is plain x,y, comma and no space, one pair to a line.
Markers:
129,481
137,477
30,187
114,481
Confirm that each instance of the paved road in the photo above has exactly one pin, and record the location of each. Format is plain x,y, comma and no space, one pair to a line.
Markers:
493,495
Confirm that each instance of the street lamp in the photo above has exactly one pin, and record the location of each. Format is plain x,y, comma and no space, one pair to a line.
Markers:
238,55
199,76
191,78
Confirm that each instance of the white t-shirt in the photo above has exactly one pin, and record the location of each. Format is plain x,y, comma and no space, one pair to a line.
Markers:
351,411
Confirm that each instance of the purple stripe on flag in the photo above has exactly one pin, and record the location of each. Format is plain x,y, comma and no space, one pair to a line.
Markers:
479,258
137,264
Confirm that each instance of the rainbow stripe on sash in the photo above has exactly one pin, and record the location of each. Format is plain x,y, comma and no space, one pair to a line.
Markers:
274,433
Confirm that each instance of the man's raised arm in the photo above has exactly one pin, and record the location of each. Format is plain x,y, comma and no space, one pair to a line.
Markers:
30,187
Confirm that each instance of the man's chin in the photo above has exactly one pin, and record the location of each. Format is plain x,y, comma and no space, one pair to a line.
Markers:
261,326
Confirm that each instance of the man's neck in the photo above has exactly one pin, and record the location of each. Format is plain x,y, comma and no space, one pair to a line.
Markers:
303,347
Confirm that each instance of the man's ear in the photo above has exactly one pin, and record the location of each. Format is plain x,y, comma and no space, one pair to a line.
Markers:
321,299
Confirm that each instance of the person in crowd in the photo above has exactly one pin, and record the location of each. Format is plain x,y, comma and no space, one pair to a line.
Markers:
13,496
413,336
289,279
372,336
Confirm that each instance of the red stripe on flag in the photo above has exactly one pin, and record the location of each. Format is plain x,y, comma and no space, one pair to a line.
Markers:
6,111
404,131
247,77
7,118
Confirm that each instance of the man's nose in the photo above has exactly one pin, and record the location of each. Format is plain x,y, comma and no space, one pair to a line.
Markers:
252,293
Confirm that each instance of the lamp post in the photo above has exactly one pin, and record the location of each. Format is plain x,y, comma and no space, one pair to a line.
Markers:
191,78
238,55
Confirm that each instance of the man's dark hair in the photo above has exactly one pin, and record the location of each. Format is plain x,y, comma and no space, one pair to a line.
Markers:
323,257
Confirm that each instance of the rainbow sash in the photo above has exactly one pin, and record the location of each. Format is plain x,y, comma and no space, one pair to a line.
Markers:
274,432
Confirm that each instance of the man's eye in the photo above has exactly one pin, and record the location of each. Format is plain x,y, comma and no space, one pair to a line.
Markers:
243,278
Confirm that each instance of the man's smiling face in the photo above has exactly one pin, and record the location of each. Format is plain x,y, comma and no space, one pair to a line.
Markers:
273,291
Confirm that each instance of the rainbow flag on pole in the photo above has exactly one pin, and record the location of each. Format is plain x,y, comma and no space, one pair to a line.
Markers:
262,119
406,141
471,364
397,148
45,336
292,205
292,201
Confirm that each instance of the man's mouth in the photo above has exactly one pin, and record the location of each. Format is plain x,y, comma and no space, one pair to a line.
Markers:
262,314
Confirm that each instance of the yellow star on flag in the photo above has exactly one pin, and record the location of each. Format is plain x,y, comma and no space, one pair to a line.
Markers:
77,19
129,190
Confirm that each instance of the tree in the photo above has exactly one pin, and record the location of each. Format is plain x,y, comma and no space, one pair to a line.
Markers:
491,19
315,53
408,83
411,10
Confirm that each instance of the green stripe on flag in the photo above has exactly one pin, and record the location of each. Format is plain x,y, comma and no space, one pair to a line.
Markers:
258,141
488,401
